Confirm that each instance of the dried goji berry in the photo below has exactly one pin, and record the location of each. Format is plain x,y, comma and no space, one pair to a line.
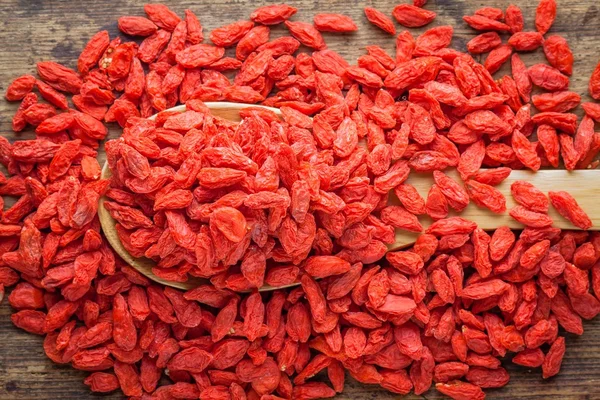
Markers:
545,15
380,20
334,23
567,206
411,16
20,87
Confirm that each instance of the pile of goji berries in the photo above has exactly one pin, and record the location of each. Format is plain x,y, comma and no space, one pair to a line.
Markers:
280,200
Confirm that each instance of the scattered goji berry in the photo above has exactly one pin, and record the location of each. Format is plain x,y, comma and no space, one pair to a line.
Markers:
289,199
380,20
411,16
545,15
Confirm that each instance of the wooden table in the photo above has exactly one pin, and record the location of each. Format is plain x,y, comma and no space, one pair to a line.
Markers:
56,30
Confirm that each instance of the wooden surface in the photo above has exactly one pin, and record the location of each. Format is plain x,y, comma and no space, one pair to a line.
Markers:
32,31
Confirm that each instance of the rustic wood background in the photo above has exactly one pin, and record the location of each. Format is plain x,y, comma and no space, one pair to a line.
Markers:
36,30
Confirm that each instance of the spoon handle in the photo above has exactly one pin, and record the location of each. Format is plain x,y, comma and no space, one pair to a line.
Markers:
581,184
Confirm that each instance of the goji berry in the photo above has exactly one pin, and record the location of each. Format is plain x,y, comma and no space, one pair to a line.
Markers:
545,15
20,87
567,206
411,16
334,23
514,18
380,20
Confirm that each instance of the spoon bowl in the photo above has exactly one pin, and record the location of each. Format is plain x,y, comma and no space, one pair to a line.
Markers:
228,111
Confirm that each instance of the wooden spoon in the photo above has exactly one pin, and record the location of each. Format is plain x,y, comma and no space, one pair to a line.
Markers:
584,185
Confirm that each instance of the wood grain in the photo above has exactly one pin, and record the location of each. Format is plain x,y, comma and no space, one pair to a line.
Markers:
39,30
